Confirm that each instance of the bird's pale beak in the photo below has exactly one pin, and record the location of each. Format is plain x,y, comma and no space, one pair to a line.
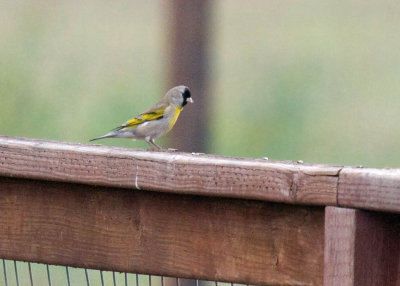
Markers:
190,100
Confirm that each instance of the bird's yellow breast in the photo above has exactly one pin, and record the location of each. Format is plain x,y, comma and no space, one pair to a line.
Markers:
174,117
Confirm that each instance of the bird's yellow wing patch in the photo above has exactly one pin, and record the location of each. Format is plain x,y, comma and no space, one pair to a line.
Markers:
147,116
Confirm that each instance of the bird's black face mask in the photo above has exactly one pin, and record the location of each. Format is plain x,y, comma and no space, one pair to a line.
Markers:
186,94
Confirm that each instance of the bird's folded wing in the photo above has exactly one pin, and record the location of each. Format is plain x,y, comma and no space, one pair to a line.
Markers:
147,116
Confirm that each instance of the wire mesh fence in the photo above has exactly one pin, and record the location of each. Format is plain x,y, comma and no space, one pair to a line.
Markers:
18,273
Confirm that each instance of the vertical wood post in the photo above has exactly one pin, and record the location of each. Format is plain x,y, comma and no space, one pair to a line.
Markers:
361,248
188,65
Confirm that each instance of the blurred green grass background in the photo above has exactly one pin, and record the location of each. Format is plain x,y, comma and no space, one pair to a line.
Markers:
310,80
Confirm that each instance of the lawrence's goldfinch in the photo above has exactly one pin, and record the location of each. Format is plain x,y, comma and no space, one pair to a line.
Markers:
156,121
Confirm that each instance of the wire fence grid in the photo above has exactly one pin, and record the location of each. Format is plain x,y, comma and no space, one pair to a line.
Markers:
18,273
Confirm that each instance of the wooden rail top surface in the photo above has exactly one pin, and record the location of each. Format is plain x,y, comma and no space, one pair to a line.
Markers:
201,174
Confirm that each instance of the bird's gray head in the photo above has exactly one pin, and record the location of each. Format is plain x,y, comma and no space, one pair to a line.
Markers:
180,95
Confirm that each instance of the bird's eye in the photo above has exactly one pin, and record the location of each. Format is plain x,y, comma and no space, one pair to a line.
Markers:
186,93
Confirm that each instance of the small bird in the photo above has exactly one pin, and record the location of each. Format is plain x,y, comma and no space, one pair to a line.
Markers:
156,121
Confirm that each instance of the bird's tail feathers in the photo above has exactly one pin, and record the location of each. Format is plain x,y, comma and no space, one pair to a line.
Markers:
108,135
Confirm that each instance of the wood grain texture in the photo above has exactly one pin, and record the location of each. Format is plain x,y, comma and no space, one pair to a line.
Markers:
182,173
372,189
187,236
339,246
361,248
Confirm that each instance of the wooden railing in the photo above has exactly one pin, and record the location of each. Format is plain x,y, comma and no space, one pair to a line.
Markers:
251,221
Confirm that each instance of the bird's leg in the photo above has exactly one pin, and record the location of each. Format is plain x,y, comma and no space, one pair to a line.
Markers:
155,145
151,145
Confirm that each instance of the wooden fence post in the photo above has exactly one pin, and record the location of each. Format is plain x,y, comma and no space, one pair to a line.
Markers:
188,64
361,248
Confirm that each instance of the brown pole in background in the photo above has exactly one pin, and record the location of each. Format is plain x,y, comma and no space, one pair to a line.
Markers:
188,65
